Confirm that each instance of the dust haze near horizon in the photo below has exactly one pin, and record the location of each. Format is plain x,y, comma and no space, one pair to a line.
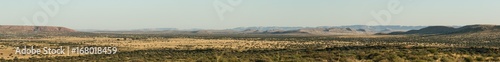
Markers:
187,14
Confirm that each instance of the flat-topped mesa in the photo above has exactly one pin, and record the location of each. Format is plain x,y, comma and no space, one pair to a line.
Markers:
14,29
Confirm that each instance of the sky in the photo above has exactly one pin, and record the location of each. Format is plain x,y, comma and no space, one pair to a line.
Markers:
223,14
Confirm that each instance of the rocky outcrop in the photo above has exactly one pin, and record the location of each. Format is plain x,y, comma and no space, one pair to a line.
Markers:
11,29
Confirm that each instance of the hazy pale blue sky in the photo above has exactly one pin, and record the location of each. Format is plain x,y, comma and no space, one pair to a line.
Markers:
185,14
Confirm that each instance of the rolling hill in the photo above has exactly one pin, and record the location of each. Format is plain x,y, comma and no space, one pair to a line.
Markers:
469,29
13,29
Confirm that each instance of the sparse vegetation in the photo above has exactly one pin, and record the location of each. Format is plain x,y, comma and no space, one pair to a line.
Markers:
256,47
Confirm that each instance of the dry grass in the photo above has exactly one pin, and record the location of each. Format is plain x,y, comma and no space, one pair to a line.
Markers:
184,44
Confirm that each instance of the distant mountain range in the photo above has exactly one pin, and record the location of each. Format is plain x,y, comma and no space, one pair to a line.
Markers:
146,29
383,28
469,30
321,30
372,28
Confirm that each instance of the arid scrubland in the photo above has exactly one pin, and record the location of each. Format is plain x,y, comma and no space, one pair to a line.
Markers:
230,48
